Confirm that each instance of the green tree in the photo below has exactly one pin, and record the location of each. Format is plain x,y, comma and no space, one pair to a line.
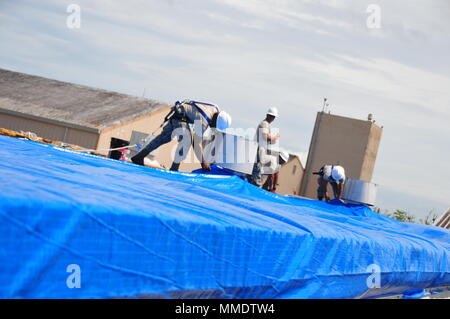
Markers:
403,216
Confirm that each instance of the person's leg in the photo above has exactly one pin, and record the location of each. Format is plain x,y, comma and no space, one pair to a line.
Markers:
256,172
184,137
163,138
320,189
263,180
275,181
256,175
335,187
268,183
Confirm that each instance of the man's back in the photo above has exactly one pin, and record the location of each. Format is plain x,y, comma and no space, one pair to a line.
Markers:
194,113
327,174
262,130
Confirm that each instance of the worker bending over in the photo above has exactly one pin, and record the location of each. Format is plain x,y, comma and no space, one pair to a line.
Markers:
201,115
264,138
335,175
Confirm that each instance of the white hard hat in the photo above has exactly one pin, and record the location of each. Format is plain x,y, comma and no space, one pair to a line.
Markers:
273,111
338,173
223,121
284,156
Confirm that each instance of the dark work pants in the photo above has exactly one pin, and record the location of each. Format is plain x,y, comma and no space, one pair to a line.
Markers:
321,189
167,134
258,178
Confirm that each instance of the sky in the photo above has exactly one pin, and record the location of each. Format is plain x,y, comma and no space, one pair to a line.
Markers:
249,55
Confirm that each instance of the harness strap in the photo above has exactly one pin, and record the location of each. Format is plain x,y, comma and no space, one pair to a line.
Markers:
331,173
207,118
169,115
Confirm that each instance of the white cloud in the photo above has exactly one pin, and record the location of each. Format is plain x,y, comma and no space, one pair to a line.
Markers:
289,13
387,78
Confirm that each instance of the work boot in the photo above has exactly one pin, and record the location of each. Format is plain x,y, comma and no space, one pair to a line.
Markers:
138,160
175,167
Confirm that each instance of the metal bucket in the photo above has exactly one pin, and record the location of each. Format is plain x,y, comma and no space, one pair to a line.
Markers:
361,192
234,152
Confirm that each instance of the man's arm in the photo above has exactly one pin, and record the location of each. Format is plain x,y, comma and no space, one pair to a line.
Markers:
325,190
264,131
271,139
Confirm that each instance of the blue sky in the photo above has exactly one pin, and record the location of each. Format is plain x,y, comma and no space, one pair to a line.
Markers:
248,55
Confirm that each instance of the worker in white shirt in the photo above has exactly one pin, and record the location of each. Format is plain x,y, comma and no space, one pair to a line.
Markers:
334,175
264,139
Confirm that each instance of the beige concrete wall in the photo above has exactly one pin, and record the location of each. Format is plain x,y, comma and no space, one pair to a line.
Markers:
342,141
290,177
370,157
148,124
57,131
53,131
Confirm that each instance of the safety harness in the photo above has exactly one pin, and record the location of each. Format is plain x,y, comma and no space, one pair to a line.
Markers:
180,114
321,173
206,117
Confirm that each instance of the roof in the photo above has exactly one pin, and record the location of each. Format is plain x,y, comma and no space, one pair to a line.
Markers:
205,236
68,102
293,157
444,220
299,155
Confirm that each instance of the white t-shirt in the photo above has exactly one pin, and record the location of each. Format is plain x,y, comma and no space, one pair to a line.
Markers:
200,127
263,128
194,116
327,170
269,162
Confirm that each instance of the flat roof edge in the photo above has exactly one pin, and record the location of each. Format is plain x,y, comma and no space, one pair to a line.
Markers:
372,123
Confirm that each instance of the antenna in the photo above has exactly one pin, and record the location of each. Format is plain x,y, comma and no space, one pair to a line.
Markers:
325,104
143,93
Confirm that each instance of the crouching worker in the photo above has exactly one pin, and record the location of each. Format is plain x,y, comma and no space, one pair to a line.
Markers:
335,175
201,115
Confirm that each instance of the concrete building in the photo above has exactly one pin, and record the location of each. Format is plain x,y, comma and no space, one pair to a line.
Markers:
344,141
444,220
78,115
290,176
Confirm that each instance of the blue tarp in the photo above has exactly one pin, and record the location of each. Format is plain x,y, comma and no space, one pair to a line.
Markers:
133,231
217,170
